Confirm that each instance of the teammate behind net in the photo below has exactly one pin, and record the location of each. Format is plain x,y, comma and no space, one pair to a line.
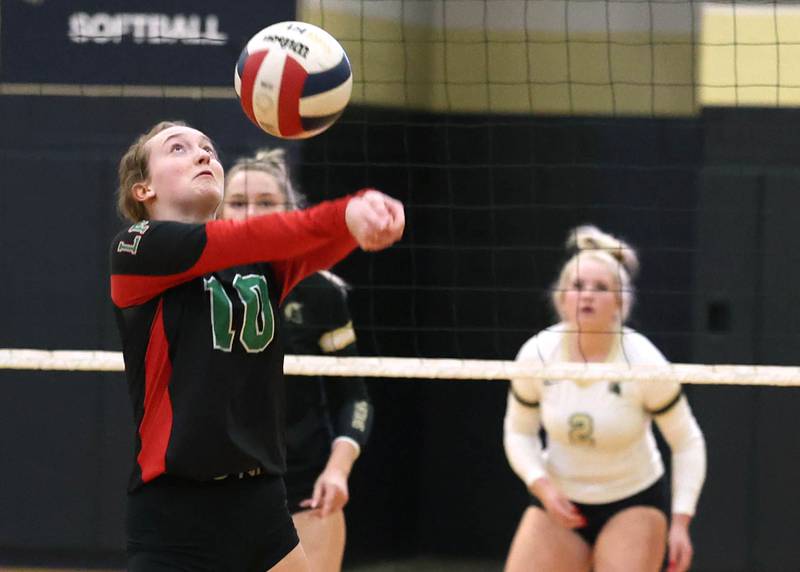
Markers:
599,495
194,300
328,421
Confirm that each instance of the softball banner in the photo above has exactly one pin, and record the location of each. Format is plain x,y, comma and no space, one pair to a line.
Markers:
140,42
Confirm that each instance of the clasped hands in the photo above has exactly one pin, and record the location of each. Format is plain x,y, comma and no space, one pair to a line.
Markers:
375,220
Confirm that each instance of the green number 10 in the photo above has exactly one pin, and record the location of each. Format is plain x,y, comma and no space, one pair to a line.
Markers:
258,325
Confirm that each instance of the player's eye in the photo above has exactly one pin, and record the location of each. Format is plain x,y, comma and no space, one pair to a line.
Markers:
237,204
176,147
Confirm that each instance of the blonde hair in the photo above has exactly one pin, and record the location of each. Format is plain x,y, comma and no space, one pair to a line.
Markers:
272,162
618,256
133,168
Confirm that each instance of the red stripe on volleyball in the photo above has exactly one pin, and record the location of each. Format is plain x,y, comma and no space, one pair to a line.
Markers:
251,67
292,81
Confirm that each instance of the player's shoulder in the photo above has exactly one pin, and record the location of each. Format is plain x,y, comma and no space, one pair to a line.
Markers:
152,228
157,247
541,349
333,280
128,239
325,284
543,345
640,349
140,227
636,338
321,291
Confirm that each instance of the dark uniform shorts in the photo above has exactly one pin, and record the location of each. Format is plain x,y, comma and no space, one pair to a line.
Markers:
597,515
229,525
300,486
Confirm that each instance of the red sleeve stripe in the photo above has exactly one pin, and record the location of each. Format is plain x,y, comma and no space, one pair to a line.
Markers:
133,289
156,425
276,236
266,238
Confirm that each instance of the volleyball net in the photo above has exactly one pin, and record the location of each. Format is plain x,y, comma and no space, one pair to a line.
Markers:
433,369
504,125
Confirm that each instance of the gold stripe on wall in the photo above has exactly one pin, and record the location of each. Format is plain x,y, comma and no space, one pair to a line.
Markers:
749,55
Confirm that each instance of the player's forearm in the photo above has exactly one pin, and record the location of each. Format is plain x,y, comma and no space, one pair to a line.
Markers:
278,236
685,438
521,441
353,413
343,456
680,519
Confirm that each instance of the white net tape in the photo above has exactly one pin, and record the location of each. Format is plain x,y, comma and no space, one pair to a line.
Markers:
422,368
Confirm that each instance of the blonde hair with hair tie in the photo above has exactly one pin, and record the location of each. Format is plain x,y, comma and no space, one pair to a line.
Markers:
618,256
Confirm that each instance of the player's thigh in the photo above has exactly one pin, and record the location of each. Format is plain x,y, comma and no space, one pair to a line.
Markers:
542,545
633,539
323,539
295,561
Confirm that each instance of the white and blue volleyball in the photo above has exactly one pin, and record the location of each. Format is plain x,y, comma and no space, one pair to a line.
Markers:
293,80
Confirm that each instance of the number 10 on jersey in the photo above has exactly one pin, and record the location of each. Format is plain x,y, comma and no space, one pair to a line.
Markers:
258,324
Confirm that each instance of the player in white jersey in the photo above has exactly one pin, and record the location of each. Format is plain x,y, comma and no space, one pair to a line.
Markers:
599,494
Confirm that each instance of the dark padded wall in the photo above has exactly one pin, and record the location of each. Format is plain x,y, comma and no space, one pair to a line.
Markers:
746,279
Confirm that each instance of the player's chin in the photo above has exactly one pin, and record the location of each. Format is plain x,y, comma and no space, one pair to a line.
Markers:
210,194
594,324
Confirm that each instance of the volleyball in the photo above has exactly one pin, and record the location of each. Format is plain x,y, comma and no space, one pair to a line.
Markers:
293,80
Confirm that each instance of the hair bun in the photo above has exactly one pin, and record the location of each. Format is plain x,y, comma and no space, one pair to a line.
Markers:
275,158
589,237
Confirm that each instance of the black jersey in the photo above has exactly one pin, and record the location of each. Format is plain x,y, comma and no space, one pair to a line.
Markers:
319,410
202,345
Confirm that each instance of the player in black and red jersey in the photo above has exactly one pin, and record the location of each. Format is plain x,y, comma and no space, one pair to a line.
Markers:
195,299
329,420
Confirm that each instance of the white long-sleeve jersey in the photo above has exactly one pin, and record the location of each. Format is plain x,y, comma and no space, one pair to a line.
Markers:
600,444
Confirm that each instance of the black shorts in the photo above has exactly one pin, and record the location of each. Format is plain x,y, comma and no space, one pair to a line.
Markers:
597,515
300,486
232,525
